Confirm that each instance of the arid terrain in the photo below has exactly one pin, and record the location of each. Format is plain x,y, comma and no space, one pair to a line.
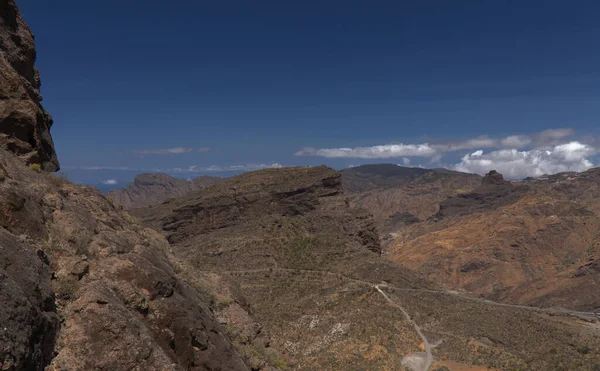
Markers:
533,242
293,268
308,265
400,196
150,189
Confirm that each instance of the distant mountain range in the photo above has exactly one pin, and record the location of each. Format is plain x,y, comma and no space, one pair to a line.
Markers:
398,196
149,189
533,242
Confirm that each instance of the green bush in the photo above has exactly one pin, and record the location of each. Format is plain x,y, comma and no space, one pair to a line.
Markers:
36,167
280,364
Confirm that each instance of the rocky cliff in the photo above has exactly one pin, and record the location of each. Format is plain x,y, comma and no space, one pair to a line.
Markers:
150,189
24,124
398,196
83,286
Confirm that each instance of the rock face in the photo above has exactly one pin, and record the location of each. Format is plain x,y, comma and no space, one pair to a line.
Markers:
492,178
24,124
28,315
111,281
493,193
151,189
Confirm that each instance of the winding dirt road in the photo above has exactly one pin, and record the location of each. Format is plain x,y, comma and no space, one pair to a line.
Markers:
415,362
428,346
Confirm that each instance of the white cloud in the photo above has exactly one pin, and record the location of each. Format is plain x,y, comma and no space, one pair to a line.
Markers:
383,151
189,169
406,161
457,145
435,150
515,141
109,181
548,138
121,168
166,151
203,149
512,163
223,168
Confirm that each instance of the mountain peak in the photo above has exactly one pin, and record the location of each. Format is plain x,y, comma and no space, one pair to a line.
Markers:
493,178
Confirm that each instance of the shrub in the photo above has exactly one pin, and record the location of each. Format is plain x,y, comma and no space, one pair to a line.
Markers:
56,180
280,364
583,349
36,167
66,287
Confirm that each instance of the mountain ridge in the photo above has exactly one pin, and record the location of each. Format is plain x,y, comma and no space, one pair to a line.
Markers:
153,188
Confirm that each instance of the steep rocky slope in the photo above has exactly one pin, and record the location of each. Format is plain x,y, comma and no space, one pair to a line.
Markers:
24,124
305,266
399,196
150,189
70,257
533,242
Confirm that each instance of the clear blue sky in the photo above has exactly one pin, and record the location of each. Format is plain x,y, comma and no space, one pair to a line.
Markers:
257,81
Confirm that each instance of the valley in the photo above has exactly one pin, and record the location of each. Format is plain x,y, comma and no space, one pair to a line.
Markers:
373,267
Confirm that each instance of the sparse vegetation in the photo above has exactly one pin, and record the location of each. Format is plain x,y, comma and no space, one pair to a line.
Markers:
280,364
57,242
36,167
583,349
223,302
66,287
56,180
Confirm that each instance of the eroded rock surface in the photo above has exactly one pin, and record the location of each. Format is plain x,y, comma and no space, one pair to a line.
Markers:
24,123
110,281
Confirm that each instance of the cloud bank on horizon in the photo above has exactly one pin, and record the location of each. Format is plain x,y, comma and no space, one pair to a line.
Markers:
189,169
169,151
516,156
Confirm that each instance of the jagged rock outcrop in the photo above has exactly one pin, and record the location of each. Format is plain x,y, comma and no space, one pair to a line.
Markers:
493,193
151,189
24,123
492,178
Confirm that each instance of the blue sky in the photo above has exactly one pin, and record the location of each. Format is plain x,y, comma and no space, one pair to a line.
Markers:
212,87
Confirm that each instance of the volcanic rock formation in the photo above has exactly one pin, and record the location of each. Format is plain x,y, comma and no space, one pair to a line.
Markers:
24,124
